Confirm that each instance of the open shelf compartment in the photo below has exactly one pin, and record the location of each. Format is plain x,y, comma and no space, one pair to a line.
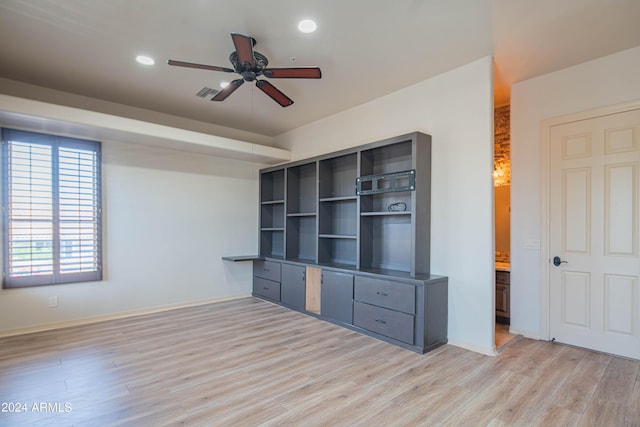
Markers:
272,243
301,189
272,186
386,242
337,176
301,238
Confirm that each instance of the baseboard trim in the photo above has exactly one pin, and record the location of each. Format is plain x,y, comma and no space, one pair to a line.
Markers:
525,333
116,316
488,351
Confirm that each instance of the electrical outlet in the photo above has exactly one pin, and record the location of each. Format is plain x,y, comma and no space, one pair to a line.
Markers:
53,302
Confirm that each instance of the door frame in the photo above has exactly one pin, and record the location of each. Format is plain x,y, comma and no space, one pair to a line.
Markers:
545,140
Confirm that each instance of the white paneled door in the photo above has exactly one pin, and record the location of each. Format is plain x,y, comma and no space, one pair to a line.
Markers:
594,186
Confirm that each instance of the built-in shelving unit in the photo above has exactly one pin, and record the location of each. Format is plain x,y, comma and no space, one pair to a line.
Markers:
365,208
362,218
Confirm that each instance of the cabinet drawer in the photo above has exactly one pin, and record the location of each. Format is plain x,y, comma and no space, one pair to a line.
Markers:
386,322
267,270
266,288
393,295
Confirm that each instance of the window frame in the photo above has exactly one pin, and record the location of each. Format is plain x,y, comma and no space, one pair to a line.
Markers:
57,143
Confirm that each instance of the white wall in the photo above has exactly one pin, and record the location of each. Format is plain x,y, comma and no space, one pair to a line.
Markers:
456,109
169,217
606,81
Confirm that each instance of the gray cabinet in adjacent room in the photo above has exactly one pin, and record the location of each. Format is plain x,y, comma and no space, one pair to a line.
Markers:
503,297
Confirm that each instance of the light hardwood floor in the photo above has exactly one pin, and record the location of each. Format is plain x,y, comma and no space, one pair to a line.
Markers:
503,336
248,362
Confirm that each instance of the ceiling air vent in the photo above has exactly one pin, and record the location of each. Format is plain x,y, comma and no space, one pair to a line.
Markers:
206,92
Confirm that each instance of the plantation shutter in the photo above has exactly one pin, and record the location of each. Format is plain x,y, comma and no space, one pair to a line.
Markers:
51,209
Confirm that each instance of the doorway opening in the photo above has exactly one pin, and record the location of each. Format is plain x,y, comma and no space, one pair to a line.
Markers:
502,209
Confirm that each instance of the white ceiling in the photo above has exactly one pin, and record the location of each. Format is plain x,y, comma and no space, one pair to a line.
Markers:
366,48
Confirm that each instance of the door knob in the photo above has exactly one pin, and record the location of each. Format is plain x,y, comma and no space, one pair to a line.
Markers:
557,261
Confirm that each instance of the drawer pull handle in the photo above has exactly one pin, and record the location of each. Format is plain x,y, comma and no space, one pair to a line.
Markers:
265,288
384,322
383,294
266,270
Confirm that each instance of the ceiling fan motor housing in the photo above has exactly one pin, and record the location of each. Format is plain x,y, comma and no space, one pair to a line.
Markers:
246,70
248,75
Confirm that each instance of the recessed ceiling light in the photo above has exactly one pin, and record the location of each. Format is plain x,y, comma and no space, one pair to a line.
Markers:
307,26
145,60
224,84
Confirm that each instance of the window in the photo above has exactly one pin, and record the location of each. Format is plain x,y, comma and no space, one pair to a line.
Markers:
51,195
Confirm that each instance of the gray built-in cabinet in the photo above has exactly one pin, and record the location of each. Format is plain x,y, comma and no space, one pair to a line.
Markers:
336,296
361,217
293,286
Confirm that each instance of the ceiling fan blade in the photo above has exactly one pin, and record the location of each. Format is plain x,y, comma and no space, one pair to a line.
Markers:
201,66
224,93
274,93
293,73
244,48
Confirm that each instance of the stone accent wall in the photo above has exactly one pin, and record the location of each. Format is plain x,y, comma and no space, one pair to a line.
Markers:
503,256
502,159
502,146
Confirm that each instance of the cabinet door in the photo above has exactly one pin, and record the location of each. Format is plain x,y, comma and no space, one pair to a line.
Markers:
293,286
337,296
502,300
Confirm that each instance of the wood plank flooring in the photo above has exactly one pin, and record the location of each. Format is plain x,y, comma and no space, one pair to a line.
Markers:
247,363
503,336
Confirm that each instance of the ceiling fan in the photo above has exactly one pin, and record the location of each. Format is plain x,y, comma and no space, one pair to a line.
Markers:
251,65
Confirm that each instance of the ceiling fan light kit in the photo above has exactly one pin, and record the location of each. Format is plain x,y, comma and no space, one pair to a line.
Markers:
251,65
